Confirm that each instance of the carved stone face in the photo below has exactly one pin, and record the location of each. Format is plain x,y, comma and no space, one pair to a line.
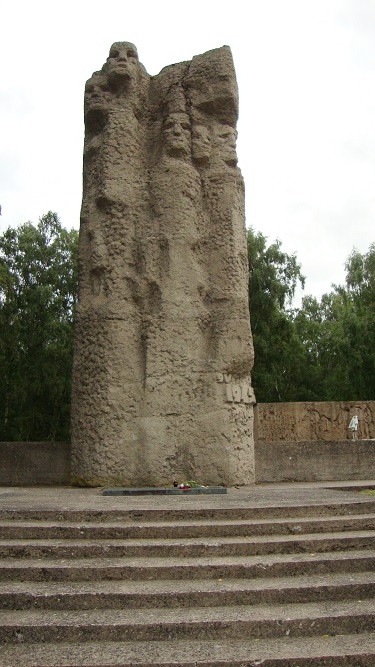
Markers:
96,92
201,143
122,63
177,134
225,144
96,102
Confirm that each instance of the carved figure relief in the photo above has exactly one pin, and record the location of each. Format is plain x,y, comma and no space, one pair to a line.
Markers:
163,306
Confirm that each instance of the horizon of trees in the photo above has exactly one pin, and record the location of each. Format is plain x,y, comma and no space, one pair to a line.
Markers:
322,351
325,349
38,292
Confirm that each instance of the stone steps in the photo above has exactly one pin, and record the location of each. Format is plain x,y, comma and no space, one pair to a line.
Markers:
189,547
186,593
290,586
227,622
194,510
275,565
183,529
352,650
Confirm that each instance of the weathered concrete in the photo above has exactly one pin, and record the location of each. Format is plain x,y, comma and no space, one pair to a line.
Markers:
163,348
256,621
190,592
354,650
23,463
90,530
49,463
266,501
164,491
96,596
290,461
313,421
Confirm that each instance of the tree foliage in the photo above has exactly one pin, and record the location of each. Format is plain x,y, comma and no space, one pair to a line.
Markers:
274,276
339,333
38,287
323,351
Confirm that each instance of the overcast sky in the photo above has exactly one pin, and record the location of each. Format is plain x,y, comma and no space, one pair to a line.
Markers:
306,75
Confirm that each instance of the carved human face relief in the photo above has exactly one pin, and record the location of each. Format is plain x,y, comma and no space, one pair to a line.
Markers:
225,144
177,134
96,92
201,143
96,104
122,63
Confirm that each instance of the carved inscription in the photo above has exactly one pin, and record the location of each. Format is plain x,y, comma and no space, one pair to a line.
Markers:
236,392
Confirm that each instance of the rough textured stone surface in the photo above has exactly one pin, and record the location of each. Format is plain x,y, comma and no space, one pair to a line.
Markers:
163,348
49,463
23,463
96,581
164,491
313,421
290,461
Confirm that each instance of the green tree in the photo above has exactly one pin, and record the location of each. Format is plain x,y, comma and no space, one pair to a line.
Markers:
338,334
323,351
38,288
308,329
274,276
360,325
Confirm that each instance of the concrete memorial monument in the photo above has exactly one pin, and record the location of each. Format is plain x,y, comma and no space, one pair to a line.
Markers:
163,348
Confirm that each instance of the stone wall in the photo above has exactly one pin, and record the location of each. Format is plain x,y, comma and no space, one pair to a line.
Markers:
312,442
318,461
283,452
313,421
29,463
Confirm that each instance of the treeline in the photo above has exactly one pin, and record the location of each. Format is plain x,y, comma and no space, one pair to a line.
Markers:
324,350
38,291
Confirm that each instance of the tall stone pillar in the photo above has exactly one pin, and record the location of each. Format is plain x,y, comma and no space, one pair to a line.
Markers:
163,348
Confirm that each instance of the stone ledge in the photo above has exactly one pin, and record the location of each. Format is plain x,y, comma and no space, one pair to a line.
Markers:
163,491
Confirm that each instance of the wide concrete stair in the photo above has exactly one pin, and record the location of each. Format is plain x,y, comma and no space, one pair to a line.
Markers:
270,586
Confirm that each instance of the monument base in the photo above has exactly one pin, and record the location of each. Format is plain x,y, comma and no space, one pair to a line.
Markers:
163,491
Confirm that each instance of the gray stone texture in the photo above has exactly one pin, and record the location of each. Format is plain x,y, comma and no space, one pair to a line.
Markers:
163,348
49,462
313,461
313,421
277,575
23,463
